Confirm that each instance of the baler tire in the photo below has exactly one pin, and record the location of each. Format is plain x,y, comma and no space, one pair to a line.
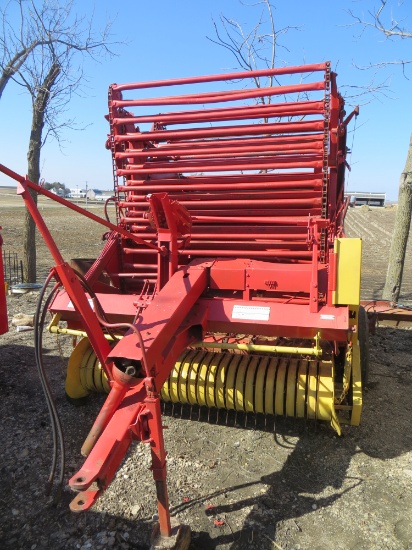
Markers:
363,338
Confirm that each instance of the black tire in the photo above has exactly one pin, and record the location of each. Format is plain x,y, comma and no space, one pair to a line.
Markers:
363,337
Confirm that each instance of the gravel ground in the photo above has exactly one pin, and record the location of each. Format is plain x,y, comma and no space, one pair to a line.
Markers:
239,486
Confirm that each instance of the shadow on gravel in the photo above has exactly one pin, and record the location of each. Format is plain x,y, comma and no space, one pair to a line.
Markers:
320,460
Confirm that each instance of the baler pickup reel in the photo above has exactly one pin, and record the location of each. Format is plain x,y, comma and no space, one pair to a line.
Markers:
227,281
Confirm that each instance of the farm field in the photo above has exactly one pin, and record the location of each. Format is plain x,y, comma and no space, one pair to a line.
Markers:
77,236
289,486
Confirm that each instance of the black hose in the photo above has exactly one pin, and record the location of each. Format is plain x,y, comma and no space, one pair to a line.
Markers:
97,304
57,432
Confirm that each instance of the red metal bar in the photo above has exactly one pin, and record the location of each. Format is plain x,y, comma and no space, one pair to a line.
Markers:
157,447
109,450
163,152
386,310
224,165
27,183
235,113
113,400
223,77
257,143
215,97
227,235
216,253
236,194
263,220
307,201
214,185
72,285
224,131
162,318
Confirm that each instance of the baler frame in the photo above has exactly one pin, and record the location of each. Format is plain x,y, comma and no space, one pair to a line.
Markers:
176,285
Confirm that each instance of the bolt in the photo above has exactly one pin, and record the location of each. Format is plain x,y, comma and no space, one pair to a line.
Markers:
130,370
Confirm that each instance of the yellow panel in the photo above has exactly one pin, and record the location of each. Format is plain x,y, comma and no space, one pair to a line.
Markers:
291,388
240,383
260,385
174,381
192,378
312,390
356,386
202,379
280,387
270,385
325,391
250,385
221,381
75,386
348,271
230,381
211,381
301,389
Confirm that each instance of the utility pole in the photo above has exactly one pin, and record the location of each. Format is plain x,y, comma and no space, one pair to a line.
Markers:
86,195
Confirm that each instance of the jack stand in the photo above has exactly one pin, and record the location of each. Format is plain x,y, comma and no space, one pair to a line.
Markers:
178,540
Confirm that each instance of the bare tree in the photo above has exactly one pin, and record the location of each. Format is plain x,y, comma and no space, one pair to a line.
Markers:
255,48
45,54
379,19
400,235
384,22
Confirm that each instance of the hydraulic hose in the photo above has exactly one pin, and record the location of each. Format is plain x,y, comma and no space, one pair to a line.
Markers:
57,432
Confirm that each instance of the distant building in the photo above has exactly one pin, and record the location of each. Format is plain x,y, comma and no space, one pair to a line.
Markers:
103,196
91,194
58,192
78,193
366,197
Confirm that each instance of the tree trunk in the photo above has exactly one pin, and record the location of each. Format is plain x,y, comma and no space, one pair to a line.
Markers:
33,173
400,235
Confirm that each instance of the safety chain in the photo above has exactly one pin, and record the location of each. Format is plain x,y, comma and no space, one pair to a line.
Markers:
325,168
113,151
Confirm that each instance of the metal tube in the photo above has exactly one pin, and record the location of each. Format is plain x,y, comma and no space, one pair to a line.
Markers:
316,351
307,201
164,152
210,253
264,220
223,165
262,194
217,97
276,142
158,154
227,236
224,131
229,215
72,206
275,185
235,113
223,77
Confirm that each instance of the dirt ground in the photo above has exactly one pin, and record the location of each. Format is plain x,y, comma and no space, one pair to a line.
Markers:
292,485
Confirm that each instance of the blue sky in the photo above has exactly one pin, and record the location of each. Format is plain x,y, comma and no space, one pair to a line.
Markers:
168,39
